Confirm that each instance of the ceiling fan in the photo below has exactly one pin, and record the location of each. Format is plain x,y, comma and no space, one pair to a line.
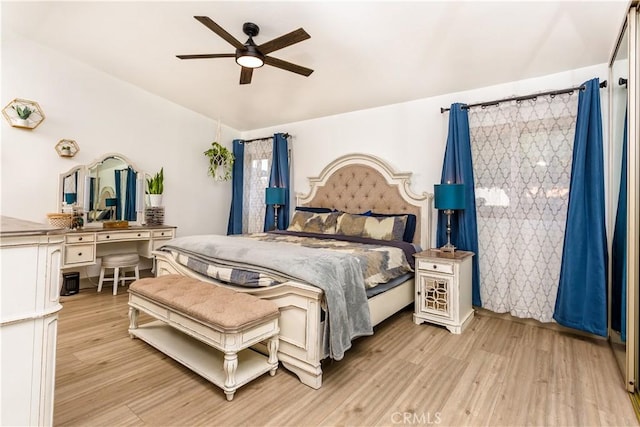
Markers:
249,55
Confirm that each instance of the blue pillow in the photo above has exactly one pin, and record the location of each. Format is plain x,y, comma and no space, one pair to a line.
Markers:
313,209
410,228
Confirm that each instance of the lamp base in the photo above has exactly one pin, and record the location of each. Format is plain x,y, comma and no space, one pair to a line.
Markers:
448,248
275,217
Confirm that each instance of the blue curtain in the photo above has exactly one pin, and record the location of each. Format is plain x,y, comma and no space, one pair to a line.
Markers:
118,195
458,168
582,290
279,178
619,251
235,214
130,196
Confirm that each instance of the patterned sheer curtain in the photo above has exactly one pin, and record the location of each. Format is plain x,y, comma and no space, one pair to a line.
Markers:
257,169
522,155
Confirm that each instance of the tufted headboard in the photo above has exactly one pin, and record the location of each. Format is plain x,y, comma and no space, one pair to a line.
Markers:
357,183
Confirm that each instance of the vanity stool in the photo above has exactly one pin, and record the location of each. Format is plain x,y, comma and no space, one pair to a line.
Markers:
117,262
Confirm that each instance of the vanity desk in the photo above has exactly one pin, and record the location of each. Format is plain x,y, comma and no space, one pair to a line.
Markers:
83,247
111,188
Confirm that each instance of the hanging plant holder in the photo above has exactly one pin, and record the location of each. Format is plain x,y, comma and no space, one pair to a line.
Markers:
220,162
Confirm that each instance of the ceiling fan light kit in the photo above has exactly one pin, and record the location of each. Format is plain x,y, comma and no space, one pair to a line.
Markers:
250,58
249,55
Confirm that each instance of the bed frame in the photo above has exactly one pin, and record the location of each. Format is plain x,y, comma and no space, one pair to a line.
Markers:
353,183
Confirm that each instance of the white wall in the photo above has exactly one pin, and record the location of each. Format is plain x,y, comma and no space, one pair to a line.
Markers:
103,114
411,136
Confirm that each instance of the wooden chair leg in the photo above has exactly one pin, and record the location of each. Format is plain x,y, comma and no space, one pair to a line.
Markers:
116,272
101,279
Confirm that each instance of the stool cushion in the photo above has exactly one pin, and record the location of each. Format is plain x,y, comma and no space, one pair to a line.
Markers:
209,303
120,260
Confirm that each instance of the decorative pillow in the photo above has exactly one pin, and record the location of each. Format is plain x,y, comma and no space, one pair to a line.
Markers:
312,222
410,229
313,209
387,228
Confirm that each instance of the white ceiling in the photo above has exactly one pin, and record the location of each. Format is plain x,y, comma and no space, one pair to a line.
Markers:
365,54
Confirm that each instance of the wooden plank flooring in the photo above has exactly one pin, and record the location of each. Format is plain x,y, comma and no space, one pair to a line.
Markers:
497,373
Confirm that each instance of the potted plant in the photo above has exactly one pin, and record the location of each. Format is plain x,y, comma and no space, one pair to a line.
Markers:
23,113
65,150
220,162
155,187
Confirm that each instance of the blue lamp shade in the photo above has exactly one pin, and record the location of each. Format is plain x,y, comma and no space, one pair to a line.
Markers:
111,202
274,196
70,198
449,196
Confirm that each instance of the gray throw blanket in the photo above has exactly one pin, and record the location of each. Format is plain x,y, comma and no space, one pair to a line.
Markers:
338,274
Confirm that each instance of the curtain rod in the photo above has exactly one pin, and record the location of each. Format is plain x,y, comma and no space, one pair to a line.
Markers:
603,84
286,135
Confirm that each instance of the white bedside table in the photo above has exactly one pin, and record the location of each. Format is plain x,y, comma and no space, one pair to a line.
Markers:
443,289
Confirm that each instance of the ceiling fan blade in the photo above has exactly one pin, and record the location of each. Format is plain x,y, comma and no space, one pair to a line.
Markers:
219,31
279,63
283,41
207,55
245,75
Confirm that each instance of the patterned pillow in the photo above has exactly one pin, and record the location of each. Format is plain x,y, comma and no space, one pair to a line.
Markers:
387,228
312,222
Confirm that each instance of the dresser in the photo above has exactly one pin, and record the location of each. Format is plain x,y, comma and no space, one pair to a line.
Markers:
83,247
30,259
443,289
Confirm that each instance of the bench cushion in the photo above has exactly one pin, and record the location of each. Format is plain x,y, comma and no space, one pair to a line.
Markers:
209,303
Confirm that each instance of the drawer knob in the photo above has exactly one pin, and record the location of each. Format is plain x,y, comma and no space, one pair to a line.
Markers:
79,238
162,234
79,253
139,234
435,267
108,236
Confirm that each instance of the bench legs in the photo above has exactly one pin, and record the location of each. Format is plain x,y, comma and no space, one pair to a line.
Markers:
133,319
230,366
272,347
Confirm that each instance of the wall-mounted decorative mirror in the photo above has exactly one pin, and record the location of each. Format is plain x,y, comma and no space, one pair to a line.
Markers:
109,189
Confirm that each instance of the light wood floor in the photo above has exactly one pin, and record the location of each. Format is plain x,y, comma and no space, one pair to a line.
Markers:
497,373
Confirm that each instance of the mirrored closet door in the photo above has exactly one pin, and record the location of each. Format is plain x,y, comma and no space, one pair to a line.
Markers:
623,202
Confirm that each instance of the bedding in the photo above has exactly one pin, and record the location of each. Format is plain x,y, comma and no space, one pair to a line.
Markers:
338,274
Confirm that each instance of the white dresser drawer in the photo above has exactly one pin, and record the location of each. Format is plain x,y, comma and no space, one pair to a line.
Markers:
79,238
159,234
78,254
437,267
125,235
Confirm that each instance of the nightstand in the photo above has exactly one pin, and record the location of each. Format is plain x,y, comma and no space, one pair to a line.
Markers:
443,289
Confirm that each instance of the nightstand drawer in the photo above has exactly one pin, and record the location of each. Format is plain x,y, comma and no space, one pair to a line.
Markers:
437,267
77,254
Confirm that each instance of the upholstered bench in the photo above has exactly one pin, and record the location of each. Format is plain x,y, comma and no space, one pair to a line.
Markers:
194,316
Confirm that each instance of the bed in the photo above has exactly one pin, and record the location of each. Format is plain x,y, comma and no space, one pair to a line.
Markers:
354,183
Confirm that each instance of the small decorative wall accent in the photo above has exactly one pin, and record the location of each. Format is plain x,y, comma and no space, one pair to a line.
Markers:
22,113
67,148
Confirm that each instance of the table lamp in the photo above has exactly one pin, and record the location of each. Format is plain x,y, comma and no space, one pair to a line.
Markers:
449,197
274,196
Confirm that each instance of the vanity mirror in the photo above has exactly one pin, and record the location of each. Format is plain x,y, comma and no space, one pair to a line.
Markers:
108,189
